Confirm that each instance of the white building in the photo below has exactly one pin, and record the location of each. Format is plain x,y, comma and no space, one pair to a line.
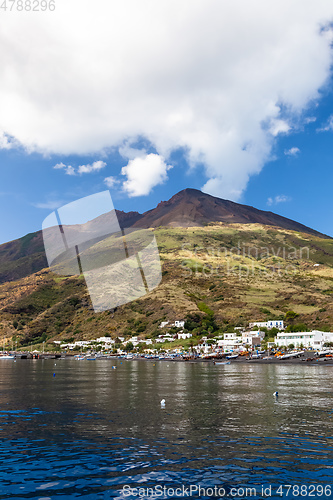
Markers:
165,338
230,342
274,323
248,336
184,335
315,339
135,341
259,324
177,324
105,340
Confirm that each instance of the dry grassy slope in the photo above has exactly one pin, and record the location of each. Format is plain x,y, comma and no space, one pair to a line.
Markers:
242,272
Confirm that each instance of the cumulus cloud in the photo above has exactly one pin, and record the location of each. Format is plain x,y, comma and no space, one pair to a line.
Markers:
144,173
94,167
219,79
111,182
292,151
281,198
69,170
82,169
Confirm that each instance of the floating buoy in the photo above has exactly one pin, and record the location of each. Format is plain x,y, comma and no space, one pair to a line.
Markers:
54,374
275,393
163,402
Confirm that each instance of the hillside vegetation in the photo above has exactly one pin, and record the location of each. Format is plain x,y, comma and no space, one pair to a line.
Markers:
217,277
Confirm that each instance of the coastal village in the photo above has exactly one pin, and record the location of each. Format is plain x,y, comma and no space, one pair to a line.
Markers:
242,341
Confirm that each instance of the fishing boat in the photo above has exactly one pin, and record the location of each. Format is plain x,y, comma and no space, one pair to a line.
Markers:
221,362
232,356
79,357
7,356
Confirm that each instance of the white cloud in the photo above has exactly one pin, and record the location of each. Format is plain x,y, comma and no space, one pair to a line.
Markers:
310,119
111,182
144,173
7,142
94,167
220,79
294,151
281,198
69,170
82,169
328,126
279,127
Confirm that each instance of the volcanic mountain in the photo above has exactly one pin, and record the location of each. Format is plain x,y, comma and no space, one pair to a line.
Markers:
188,208
191,207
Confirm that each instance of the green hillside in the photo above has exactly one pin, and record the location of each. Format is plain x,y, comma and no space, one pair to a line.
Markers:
216,277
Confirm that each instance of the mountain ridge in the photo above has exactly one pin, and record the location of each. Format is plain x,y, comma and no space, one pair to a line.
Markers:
193,208
187,208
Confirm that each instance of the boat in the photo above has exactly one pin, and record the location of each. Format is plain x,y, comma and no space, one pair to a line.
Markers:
292,355
232,356
7,356
79,357
91,358
221,362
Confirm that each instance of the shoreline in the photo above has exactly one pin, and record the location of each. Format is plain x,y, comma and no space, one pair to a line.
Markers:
306,359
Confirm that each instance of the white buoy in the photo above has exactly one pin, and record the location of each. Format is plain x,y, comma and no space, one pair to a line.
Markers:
275,393
163,402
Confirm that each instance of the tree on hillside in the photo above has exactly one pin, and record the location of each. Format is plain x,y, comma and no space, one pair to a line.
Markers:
290,316
129,347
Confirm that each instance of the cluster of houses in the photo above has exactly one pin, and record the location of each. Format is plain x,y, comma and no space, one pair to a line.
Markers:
108,343
239,340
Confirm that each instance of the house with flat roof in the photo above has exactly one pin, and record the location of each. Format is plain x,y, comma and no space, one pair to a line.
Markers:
315,339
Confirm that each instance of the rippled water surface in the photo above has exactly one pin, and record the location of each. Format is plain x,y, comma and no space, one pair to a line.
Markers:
90,429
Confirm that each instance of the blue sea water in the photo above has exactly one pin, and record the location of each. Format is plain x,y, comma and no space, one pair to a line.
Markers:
95,432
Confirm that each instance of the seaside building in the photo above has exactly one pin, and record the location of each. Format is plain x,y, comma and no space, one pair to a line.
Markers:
315,339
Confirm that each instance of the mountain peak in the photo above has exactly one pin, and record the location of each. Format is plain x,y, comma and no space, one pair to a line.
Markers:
191,207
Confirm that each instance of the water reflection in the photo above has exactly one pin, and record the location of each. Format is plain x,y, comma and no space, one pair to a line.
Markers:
91,428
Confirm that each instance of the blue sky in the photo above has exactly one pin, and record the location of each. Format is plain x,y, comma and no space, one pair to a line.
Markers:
297,185
139,106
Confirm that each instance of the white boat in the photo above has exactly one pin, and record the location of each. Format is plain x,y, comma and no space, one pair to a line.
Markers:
7,356
291,355
221,362
79,357
232,356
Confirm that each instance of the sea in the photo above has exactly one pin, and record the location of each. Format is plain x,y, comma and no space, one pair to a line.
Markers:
97,430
